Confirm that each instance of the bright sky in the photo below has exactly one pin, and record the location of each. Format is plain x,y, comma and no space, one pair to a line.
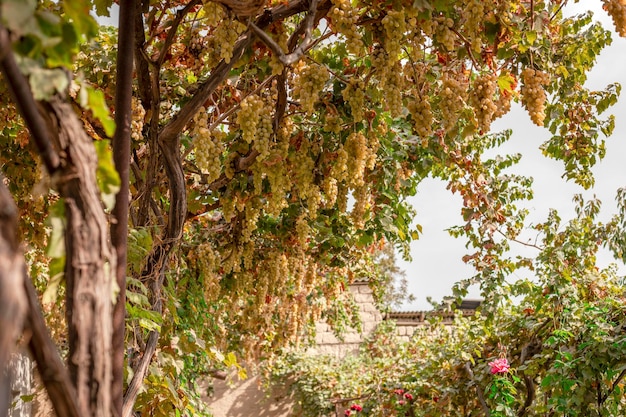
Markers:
437,264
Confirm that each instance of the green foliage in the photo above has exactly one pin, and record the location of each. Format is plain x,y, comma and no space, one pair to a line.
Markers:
562,333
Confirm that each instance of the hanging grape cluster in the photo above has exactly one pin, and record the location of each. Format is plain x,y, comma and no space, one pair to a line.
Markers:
356,147
354,94
255,121
474,16
482,100
392,86
443,33
208,145
223,40
137,117
344,19
533,94
395,26
452,94
309,82
617,10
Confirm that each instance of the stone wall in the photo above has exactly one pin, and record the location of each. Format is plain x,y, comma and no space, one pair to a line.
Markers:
326,341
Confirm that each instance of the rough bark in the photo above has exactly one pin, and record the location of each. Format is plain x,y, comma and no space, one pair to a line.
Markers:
52,370
12,297
121,157
89,262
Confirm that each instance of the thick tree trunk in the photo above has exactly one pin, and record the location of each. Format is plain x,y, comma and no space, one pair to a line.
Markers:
12,297
89,264
70,158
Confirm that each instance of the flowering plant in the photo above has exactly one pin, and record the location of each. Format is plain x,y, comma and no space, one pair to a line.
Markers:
502,389
353,410
499,366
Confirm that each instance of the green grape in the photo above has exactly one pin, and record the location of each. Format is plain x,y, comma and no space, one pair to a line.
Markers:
310,81
482,99
533,94
209,146
344,19
354,94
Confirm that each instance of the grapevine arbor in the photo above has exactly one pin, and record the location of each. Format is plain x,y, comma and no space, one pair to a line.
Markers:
262,153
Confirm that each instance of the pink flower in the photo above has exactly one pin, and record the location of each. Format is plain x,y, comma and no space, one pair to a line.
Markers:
399,391
499,366
356,407
408,396
347,412
401,402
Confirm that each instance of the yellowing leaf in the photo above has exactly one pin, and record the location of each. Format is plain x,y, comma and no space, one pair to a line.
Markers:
506,82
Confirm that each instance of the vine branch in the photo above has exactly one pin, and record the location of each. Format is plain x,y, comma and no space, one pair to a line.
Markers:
292,57
479,393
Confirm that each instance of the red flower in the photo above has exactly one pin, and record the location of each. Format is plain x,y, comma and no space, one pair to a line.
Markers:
347,412
401,402
408,396
399,391
356,407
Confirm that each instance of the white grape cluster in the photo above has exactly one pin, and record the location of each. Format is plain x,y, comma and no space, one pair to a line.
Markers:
196,52
255,121
421,115
503,104
277,171
224,38
302,168
330,189
453,94
356,147
380,61
443,33
482,100
394,24
303,230
332,122
137,117
209,145
392,86
213,13
279,181
474,12
354,94
248,253
617,10
344,20
310,81
534,95
208,261
339,168
373,144
358,214
250,222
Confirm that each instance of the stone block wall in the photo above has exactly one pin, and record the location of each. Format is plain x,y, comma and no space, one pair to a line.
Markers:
326,341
